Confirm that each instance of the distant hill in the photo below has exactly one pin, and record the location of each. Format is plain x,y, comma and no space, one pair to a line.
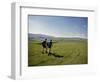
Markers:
40,37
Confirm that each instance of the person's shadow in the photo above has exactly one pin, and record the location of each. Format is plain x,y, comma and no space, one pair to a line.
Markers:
55,55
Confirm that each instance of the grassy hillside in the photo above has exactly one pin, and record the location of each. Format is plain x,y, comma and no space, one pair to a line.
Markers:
73,52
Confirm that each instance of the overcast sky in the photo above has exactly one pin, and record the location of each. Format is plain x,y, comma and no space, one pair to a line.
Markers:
58,26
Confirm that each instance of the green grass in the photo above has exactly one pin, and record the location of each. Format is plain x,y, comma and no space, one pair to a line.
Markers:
74,52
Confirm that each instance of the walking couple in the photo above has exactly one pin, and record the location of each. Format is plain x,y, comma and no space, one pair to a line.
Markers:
47,46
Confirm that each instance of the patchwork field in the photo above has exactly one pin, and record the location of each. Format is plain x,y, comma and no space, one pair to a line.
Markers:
73,52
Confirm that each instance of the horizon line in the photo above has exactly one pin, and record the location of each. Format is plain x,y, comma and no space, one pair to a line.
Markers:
61,36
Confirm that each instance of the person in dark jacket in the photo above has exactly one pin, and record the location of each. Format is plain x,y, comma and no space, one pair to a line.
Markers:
49,46
44,45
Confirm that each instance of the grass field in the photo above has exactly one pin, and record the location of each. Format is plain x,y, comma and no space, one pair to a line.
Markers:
73,52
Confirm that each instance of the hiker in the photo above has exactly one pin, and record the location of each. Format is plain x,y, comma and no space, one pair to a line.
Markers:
49,44
44,45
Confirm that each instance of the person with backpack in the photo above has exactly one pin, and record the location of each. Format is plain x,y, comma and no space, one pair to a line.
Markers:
44,45
49,44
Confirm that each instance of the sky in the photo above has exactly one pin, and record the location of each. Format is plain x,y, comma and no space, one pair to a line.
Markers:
58,26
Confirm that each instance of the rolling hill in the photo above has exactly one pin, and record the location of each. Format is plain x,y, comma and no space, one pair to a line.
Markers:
40,37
